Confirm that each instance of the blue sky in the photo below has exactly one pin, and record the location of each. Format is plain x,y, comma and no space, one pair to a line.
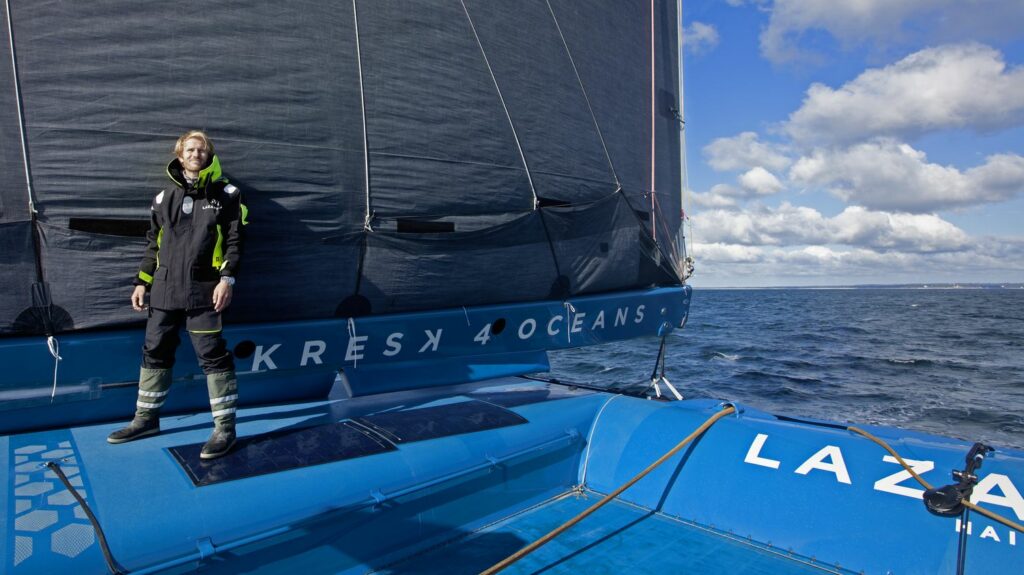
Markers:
857,141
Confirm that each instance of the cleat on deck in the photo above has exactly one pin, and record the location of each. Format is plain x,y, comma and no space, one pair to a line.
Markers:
137,429
219,444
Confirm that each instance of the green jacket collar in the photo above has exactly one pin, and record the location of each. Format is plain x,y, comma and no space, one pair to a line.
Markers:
211,173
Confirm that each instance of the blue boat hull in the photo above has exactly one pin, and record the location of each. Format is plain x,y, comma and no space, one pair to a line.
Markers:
97,374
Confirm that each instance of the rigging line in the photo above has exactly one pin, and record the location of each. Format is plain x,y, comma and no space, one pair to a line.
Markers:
112,564
586,97
640,222
677,260
910,469
683,170
54,346
366,156
668,233
21,112
610,497
653,229
515,135
362,104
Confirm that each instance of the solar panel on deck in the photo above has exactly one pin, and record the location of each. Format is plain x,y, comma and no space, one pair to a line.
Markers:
517,397
439,421
280,451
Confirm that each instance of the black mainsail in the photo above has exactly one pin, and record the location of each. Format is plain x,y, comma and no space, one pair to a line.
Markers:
395,155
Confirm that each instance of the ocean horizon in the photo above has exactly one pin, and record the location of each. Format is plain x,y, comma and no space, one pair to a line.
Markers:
948,362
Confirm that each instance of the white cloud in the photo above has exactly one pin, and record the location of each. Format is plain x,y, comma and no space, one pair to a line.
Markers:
986,260
885,174
745,151
719,196
885,22
699,37
726,253
754,183
759,226
760,181
856,227
896,231
956,86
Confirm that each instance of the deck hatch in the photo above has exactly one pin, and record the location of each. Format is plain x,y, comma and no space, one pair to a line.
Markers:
440,421
280,451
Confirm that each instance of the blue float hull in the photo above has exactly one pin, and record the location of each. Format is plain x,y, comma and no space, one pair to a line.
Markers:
455,493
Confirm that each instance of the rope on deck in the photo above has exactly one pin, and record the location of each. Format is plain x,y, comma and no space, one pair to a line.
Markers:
112,564
973,507
608,498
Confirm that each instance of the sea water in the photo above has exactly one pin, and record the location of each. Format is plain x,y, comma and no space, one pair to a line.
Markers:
943,361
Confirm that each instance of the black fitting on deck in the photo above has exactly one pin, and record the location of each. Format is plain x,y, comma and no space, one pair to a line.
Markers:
948,501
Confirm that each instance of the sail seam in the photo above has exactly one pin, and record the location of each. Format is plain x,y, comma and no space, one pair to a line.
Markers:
21,112
586,96
494,79
362,106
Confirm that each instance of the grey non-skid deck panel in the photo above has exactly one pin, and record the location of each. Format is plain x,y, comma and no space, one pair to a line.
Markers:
527,396
379,433
280,451
440,421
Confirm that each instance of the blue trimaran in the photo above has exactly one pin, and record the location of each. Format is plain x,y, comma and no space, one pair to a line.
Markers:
440,193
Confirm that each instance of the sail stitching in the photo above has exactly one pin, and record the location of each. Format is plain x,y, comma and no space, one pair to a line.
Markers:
586,97
21,112
515,135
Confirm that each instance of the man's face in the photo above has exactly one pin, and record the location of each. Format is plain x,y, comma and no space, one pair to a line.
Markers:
193,155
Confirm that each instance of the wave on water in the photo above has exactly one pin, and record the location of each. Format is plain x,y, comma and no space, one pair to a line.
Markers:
942,362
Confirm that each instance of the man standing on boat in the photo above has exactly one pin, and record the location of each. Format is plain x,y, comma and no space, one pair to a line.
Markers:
194,246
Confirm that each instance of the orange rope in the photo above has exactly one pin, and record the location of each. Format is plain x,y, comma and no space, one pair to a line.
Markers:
607,498
972,506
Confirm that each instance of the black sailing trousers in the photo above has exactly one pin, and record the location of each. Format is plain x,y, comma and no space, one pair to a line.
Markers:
204,328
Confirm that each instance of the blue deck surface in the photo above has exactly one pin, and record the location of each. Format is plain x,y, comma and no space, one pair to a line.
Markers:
619,538
458,492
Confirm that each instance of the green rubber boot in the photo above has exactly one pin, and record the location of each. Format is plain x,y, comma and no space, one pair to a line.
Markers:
223,389
153,388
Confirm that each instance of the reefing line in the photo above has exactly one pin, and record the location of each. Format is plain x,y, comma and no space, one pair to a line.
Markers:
21,112
367,222
586,97
654,229
515,135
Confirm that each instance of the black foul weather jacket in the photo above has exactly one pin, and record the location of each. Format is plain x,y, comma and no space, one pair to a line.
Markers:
194,238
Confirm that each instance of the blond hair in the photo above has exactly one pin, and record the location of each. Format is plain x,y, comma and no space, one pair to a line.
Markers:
179,146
